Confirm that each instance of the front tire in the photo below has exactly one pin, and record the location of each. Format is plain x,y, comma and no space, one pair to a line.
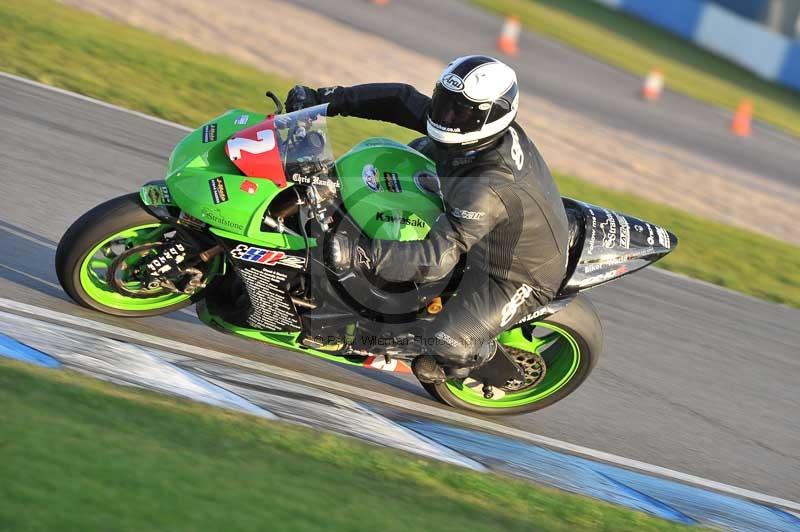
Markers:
89,247
570,342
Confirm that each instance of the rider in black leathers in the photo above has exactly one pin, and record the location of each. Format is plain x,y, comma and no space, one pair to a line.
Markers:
502,207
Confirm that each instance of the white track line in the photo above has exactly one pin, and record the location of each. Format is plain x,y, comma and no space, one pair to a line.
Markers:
439,413
184,128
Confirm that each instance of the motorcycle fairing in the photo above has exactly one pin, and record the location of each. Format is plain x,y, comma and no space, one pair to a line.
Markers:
383,189
291,341
255,151
205,146
266,276
207,185
613,245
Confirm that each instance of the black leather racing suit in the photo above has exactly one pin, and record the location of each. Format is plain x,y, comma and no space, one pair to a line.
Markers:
502,209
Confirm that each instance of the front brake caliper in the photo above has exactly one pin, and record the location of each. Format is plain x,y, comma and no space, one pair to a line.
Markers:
167,260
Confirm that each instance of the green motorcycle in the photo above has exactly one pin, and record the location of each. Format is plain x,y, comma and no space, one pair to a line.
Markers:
241,226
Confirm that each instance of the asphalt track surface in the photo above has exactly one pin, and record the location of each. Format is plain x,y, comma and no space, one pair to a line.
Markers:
450,28
694,378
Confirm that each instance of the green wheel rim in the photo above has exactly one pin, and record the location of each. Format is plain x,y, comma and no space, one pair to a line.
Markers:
558,347
95,265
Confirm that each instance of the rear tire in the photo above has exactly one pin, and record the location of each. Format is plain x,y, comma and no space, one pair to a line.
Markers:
580,334
84,239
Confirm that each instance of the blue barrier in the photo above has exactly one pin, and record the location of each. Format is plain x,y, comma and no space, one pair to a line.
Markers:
790,71
741,41
679,16
769,55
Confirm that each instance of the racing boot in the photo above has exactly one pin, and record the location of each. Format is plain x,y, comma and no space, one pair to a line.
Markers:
428,369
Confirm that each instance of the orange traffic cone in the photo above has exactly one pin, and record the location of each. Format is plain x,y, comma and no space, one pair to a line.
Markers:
741,124
653,85
509,36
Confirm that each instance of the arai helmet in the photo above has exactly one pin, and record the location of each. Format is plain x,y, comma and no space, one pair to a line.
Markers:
475,99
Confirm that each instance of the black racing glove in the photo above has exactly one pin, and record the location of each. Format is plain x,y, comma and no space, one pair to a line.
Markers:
345,253
301,97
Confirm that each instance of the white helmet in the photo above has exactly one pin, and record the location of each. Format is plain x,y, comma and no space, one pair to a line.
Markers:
475,99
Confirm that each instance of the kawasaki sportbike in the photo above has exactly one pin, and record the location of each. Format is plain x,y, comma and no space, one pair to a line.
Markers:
241,226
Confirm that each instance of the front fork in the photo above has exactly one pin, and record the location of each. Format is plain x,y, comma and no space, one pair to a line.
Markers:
179,267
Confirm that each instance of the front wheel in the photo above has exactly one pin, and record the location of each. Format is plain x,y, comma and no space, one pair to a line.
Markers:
99,240
557,354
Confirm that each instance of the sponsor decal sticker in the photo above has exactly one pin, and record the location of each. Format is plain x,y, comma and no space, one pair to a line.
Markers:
158,195
209,133
446,338
605,276
453,82
237,145
624,231
269,257
392,182
589,268
213,215
219,194
363,258
466,215
191,220
249,187
427,182
242,120
315,180
387,217
461,161
651,241
516,150
370,176
445,128
533,315
609,228
518,299
663,237
593,235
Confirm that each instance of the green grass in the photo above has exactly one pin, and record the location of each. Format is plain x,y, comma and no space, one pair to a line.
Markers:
72,49
68,48
79,454
636,46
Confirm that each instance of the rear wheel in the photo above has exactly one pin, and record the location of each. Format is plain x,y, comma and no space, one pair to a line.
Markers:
557,355
98,260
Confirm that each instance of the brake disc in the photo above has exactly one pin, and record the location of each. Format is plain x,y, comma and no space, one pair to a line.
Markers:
532,364
145,271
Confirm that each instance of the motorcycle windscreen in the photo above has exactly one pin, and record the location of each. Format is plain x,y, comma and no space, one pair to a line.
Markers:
288,146
616,244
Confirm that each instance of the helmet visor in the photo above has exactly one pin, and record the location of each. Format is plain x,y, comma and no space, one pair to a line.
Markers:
453,112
